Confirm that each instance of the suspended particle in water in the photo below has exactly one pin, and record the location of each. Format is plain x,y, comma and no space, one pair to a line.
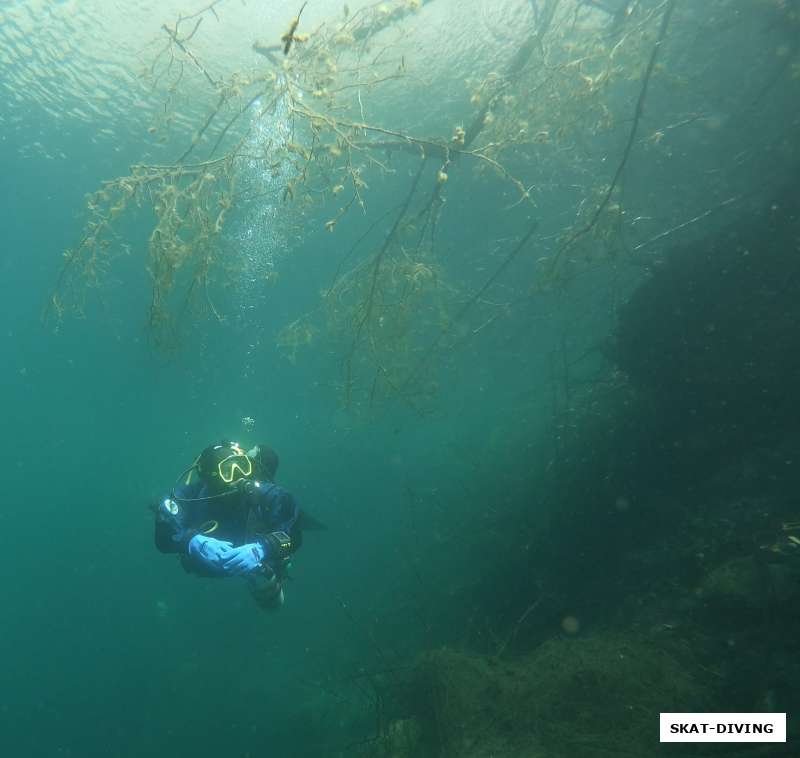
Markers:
570,625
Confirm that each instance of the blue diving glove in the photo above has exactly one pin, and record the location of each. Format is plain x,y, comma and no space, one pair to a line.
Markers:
209,550
244,559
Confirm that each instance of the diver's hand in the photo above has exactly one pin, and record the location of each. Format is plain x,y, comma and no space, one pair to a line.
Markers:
210,551
244,559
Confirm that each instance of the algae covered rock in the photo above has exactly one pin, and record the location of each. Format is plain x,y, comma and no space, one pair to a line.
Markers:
474,706
735,587
751,585
571,697
602,694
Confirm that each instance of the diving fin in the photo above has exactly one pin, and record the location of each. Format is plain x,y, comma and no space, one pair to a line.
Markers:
309,523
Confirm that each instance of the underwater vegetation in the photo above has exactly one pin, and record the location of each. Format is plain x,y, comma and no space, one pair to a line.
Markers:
623,151
568,111
558,701
660,545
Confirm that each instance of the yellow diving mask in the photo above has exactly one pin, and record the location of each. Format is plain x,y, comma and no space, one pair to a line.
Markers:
235,466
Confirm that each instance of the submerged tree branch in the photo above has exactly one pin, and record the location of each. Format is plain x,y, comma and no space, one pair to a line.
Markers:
637,115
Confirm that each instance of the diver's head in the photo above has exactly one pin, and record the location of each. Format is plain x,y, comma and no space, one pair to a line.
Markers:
265,462
223,466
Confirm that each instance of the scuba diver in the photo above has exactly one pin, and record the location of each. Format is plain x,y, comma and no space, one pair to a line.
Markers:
226,517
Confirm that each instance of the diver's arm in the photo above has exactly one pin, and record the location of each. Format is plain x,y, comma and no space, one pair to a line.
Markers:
172,535
280,510
200,554
174,529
